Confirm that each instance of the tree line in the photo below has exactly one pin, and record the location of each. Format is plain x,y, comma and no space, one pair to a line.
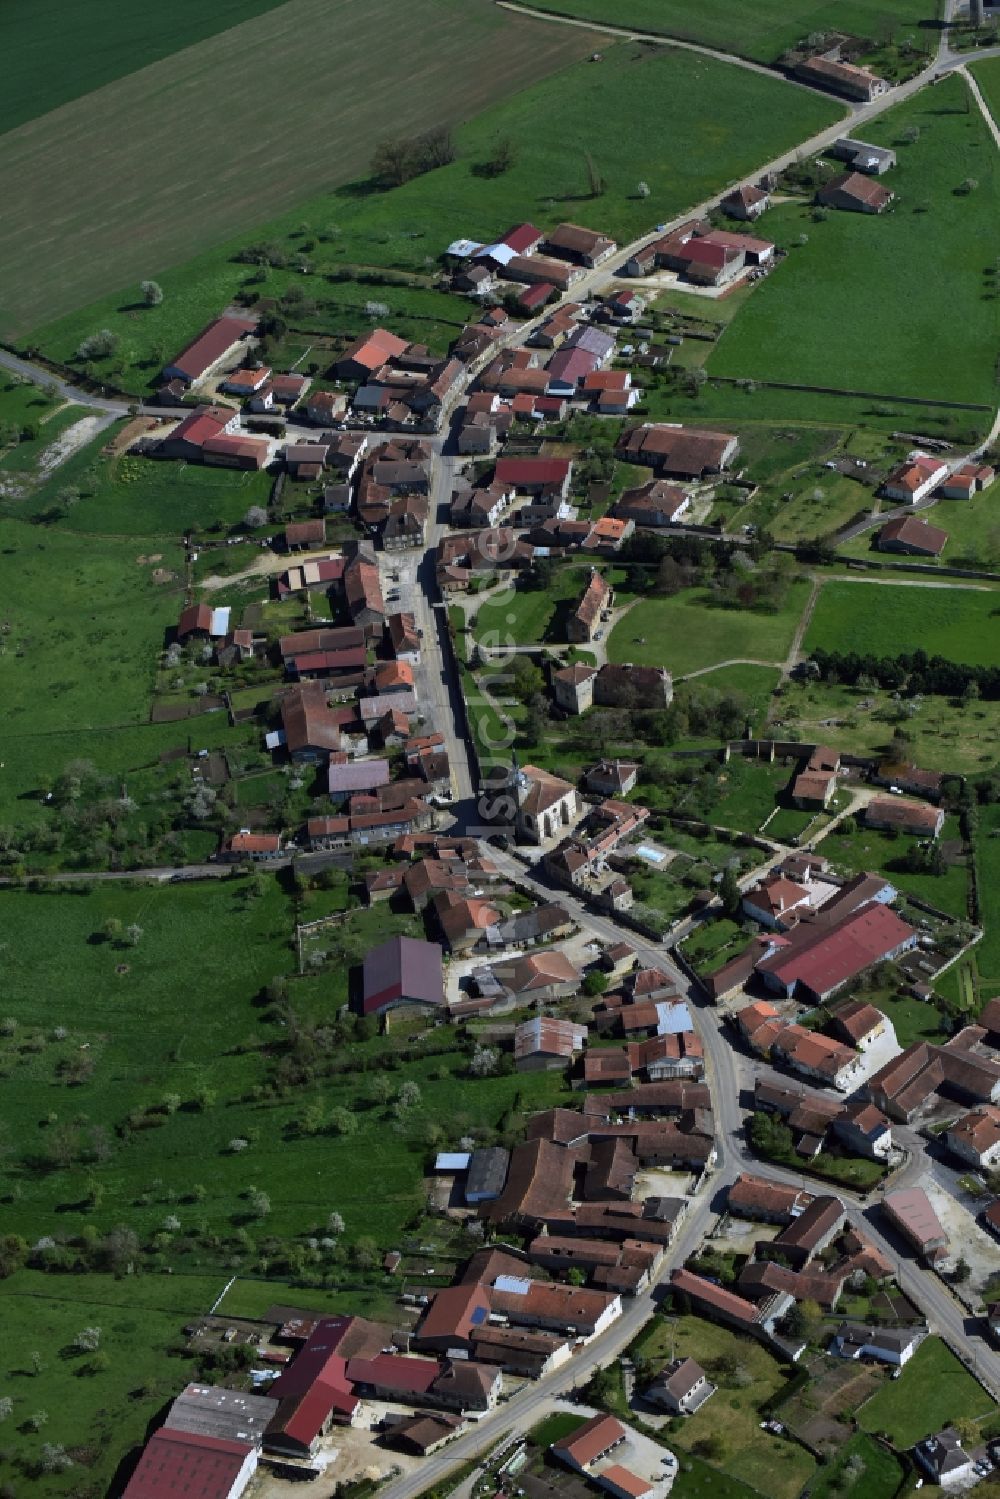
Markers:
912,672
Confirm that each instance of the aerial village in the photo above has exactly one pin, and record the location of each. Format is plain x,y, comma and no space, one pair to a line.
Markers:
757,1127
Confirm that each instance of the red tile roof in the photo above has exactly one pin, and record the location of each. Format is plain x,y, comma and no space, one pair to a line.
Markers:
185,1463
821,958
518,472
591,1440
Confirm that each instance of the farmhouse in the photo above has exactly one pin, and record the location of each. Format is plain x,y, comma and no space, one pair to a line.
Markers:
688,452
590,1442
258,847
913,536
913,480
190,435
244,382
886,1345
612,777
967,481
369,353
585,618
822,955
917,818
541,270
539,1184
583,246
620,684
236,451
855,193
535,476
213,345
311,728
746,202
975,1138
573,687
945,1459
540,977
654,504
841,78
776,902
865,1130
905,1085
681,1387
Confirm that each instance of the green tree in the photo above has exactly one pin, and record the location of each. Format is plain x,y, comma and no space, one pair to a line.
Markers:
595,983
13,1253
729,892
343,1122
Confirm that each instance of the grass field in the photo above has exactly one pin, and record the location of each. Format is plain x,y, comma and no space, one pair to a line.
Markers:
686,632
651,92
528,616
213,943
96,1416
880,1478
725,401
869,848
880,620
973,528
912,1019
946,734
762,31
130,496
747,793
56,50
773,1467
101,238
86,623
754,684
802,325
933,1389
987,75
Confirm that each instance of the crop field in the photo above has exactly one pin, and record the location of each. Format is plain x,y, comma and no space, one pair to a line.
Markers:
652,92
57,50
809,324
883,619
762,32
78,235
687,632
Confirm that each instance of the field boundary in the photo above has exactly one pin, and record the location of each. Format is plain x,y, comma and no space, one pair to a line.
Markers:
836,390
